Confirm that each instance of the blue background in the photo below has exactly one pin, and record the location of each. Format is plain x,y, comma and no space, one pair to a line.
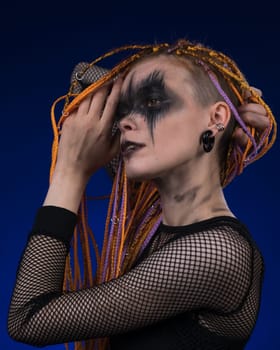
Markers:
40,44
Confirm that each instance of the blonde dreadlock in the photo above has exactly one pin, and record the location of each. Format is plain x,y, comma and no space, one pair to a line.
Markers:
134,210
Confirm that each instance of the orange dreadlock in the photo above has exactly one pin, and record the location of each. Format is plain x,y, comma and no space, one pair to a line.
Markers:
134,210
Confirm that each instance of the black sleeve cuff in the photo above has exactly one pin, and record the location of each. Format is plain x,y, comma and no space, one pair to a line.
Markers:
56,222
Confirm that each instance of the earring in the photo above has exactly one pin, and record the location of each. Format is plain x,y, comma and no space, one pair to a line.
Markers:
220,127
207,141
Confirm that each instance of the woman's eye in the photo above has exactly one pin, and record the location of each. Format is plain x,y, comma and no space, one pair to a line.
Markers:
153,102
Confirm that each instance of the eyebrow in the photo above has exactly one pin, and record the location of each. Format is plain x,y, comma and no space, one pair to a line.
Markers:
154,80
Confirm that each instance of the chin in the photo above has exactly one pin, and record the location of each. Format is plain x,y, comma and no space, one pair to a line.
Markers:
139,175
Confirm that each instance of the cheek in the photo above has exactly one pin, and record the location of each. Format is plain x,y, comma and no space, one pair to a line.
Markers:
175,130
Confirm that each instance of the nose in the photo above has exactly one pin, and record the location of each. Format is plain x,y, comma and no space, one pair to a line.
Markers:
127,123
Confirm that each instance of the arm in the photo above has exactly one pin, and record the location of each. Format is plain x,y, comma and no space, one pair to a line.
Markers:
189,273
86,144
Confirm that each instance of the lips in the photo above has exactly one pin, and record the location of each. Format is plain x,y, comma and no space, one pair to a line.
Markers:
128,147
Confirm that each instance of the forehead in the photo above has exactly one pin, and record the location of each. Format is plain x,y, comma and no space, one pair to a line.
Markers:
174,72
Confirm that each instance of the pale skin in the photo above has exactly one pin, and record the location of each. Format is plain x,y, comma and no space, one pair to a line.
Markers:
187,178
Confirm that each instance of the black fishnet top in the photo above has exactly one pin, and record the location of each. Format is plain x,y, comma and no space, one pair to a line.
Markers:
195,287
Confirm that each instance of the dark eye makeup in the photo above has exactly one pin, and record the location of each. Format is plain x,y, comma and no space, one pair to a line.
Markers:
149,98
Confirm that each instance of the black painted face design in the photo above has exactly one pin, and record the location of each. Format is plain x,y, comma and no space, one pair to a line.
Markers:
149,98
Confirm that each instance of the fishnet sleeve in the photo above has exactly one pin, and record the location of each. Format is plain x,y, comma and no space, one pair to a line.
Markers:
206,270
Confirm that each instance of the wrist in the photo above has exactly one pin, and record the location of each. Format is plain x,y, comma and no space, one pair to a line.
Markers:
70,173
55,222
66,189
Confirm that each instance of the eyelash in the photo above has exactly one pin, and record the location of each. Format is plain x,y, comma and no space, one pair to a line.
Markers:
155,111
149,105
153,102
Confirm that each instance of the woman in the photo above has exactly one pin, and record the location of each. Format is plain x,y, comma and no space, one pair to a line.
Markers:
178,270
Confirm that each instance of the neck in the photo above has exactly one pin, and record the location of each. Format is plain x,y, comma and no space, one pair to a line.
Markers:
187,198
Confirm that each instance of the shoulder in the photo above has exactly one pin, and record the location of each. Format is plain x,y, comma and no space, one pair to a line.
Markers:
223,229
221,245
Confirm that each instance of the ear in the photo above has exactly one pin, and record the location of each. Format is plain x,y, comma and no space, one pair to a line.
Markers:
219,114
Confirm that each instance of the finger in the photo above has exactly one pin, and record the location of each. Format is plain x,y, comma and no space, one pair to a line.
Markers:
98,100
83,107
258,121
253,108
112,102
258,91
240,137
248,93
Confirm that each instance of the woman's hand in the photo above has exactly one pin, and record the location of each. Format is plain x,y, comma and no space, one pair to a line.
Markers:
254,115
86,144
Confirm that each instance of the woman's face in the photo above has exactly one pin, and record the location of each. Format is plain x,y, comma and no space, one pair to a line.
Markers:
160,119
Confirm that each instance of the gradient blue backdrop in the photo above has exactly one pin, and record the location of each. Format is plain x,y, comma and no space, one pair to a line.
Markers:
41,43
